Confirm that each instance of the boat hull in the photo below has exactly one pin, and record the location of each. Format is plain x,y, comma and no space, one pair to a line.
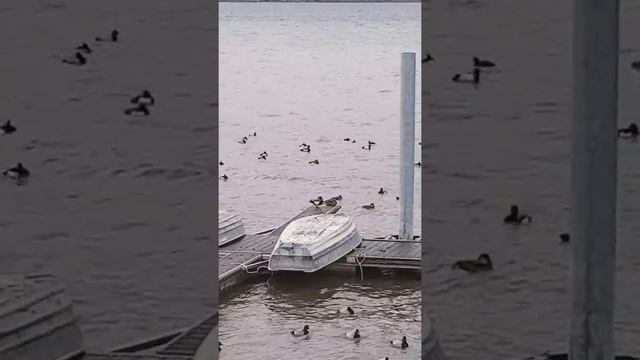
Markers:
314,242
230,227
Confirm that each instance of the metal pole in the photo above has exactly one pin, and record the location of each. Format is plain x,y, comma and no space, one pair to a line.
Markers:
407,143
593,218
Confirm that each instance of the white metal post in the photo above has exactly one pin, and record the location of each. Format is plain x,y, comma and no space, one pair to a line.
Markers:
407,143
593,215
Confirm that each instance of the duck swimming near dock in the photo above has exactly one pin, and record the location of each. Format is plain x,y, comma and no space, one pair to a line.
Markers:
469,77
316,161
369,207
144,98
303,332
382,191
112,38
79,60
483,263
17,172
317,202
141,109
8,128
353,334
220,163
400,344
564,237
85,48
418,164
224,177
428,59
346,311
482,63
346,139
516,218
630,131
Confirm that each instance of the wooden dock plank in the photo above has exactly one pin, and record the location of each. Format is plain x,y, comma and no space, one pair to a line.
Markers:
188,343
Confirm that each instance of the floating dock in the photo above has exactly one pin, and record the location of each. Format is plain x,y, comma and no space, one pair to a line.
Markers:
250,254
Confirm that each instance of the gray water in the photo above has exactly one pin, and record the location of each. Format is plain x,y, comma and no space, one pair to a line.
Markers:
508,141
118,207
315,73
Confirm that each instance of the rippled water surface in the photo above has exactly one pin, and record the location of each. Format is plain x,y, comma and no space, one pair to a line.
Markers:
508,141
118,207
316,73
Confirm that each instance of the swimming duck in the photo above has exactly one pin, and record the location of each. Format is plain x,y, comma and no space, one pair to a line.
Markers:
79,60
564,237
317,202
470,77
303,145
7,127
220,163
84,47
306,149
382,191
418,164
144,98
515,218
314,162
348,310
353,141
347,139
224,177
630,131
428,58
255,134
16,172
303,332
371,142
635,65
113,37
397,197
369,207
353,334
140,109
483,263
244,140
400,344
482,63
368,147
262,157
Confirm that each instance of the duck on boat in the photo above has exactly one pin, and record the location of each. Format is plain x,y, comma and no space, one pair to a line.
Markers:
230,227
313,242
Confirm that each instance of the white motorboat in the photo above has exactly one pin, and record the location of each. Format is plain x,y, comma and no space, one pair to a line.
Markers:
36,320
230,227
313,242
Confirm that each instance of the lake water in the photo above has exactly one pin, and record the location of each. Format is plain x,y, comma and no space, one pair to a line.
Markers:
316,74
118,207
508,141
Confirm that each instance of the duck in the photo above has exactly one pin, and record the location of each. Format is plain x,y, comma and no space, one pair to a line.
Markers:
564,237
113,37
483,263
428,58
368,147
144,98
79,60
400,344
303,332
630,131
346,311
482,63
353,334
317,202
255,134
346,139
397,197
418,164
224,177
382,191
262,156
140,109
7,127
306,149
469,77
516,218
219,346
316,161
84,47
220,163
333,201
369,207
244,140
353,141
635,65
17,172
371,142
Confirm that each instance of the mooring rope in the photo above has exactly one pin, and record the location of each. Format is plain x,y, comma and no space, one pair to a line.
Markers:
360,263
